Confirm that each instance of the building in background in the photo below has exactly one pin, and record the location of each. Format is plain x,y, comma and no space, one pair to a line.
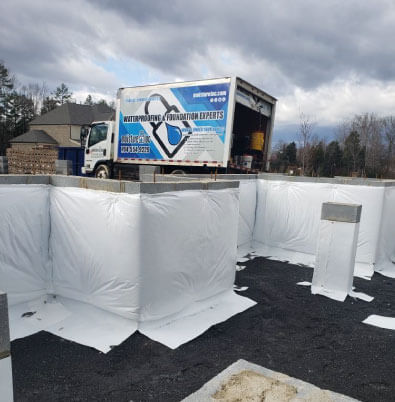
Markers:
52,134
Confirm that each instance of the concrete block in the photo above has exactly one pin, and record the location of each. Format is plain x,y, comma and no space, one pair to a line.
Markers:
100,184
3,165
159,178
336,250
130,187
220,185
65,181
64,167
156,188
23,179
335,211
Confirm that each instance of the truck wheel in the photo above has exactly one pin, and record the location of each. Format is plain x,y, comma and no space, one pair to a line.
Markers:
102,172
178,171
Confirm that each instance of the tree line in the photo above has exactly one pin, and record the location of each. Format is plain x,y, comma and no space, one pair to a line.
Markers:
20,104
364,146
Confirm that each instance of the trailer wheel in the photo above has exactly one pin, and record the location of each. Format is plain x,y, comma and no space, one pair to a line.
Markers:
102,172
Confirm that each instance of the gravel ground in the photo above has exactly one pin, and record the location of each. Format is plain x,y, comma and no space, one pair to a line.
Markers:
308,337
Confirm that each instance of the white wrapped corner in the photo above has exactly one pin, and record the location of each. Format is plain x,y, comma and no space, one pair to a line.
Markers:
96,248
95,266
247,207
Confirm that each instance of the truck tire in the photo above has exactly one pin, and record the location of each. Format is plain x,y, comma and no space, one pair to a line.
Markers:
178,171
102,172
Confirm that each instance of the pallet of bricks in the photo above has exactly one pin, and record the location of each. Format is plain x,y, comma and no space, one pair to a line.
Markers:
35,160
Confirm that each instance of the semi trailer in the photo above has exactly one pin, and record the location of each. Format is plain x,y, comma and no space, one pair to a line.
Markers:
223,124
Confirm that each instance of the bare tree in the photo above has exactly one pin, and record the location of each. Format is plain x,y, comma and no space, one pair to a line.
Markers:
389,139
305,134
342,131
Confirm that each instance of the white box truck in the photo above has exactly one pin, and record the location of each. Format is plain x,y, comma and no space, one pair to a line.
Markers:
195,126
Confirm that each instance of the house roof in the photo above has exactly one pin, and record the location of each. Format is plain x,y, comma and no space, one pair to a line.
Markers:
35,136
75,114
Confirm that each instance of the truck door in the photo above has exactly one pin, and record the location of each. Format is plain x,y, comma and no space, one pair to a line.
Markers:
97,147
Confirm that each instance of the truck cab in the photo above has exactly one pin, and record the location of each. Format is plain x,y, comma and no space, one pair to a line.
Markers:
98,141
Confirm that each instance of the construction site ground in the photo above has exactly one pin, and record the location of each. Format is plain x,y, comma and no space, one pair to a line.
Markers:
312,338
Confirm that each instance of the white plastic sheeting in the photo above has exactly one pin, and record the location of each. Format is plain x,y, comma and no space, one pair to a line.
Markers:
335,259
73,320
288,215
189,242
247,205
96,248
24,231
144,256
116,261
380,321
181,327
385,263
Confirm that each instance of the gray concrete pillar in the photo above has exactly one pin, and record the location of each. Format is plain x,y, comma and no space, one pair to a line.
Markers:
336,250
3,165
6,390
64,167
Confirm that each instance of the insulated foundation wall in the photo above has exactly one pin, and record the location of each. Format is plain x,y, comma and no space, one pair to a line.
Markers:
141,256
280,215
247,198
288,215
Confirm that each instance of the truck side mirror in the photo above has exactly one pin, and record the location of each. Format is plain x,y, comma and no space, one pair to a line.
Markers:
83,134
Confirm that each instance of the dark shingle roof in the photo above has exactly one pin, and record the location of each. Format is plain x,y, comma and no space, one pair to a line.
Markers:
34,136
75,114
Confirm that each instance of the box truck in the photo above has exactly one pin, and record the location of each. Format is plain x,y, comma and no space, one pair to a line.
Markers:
222,124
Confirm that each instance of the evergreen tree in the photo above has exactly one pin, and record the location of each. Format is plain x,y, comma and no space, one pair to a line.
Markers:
88,100
352,151
6,86
333,159
62,94
317,157
290,153
48,105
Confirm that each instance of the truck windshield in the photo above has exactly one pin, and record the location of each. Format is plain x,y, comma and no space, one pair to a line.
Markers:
98,133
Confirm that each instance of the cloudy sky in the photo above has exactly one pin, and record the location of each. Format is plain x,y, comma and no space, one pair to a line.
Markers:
329,59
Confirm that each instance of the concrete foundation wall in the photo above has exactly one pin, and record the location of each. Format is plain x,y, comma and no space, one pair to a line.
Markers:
117,186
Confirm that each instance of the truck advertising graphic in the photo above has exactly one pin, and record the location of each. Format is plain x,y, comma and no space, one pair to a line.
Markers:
180,123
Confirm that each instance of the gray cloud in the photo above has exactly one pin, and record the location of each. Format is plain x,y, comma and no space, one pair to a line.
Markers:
311,42
279,45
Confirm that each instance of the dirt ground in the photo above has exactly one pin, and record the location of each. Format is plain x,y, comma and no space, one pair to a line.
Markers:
312,338
254,387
